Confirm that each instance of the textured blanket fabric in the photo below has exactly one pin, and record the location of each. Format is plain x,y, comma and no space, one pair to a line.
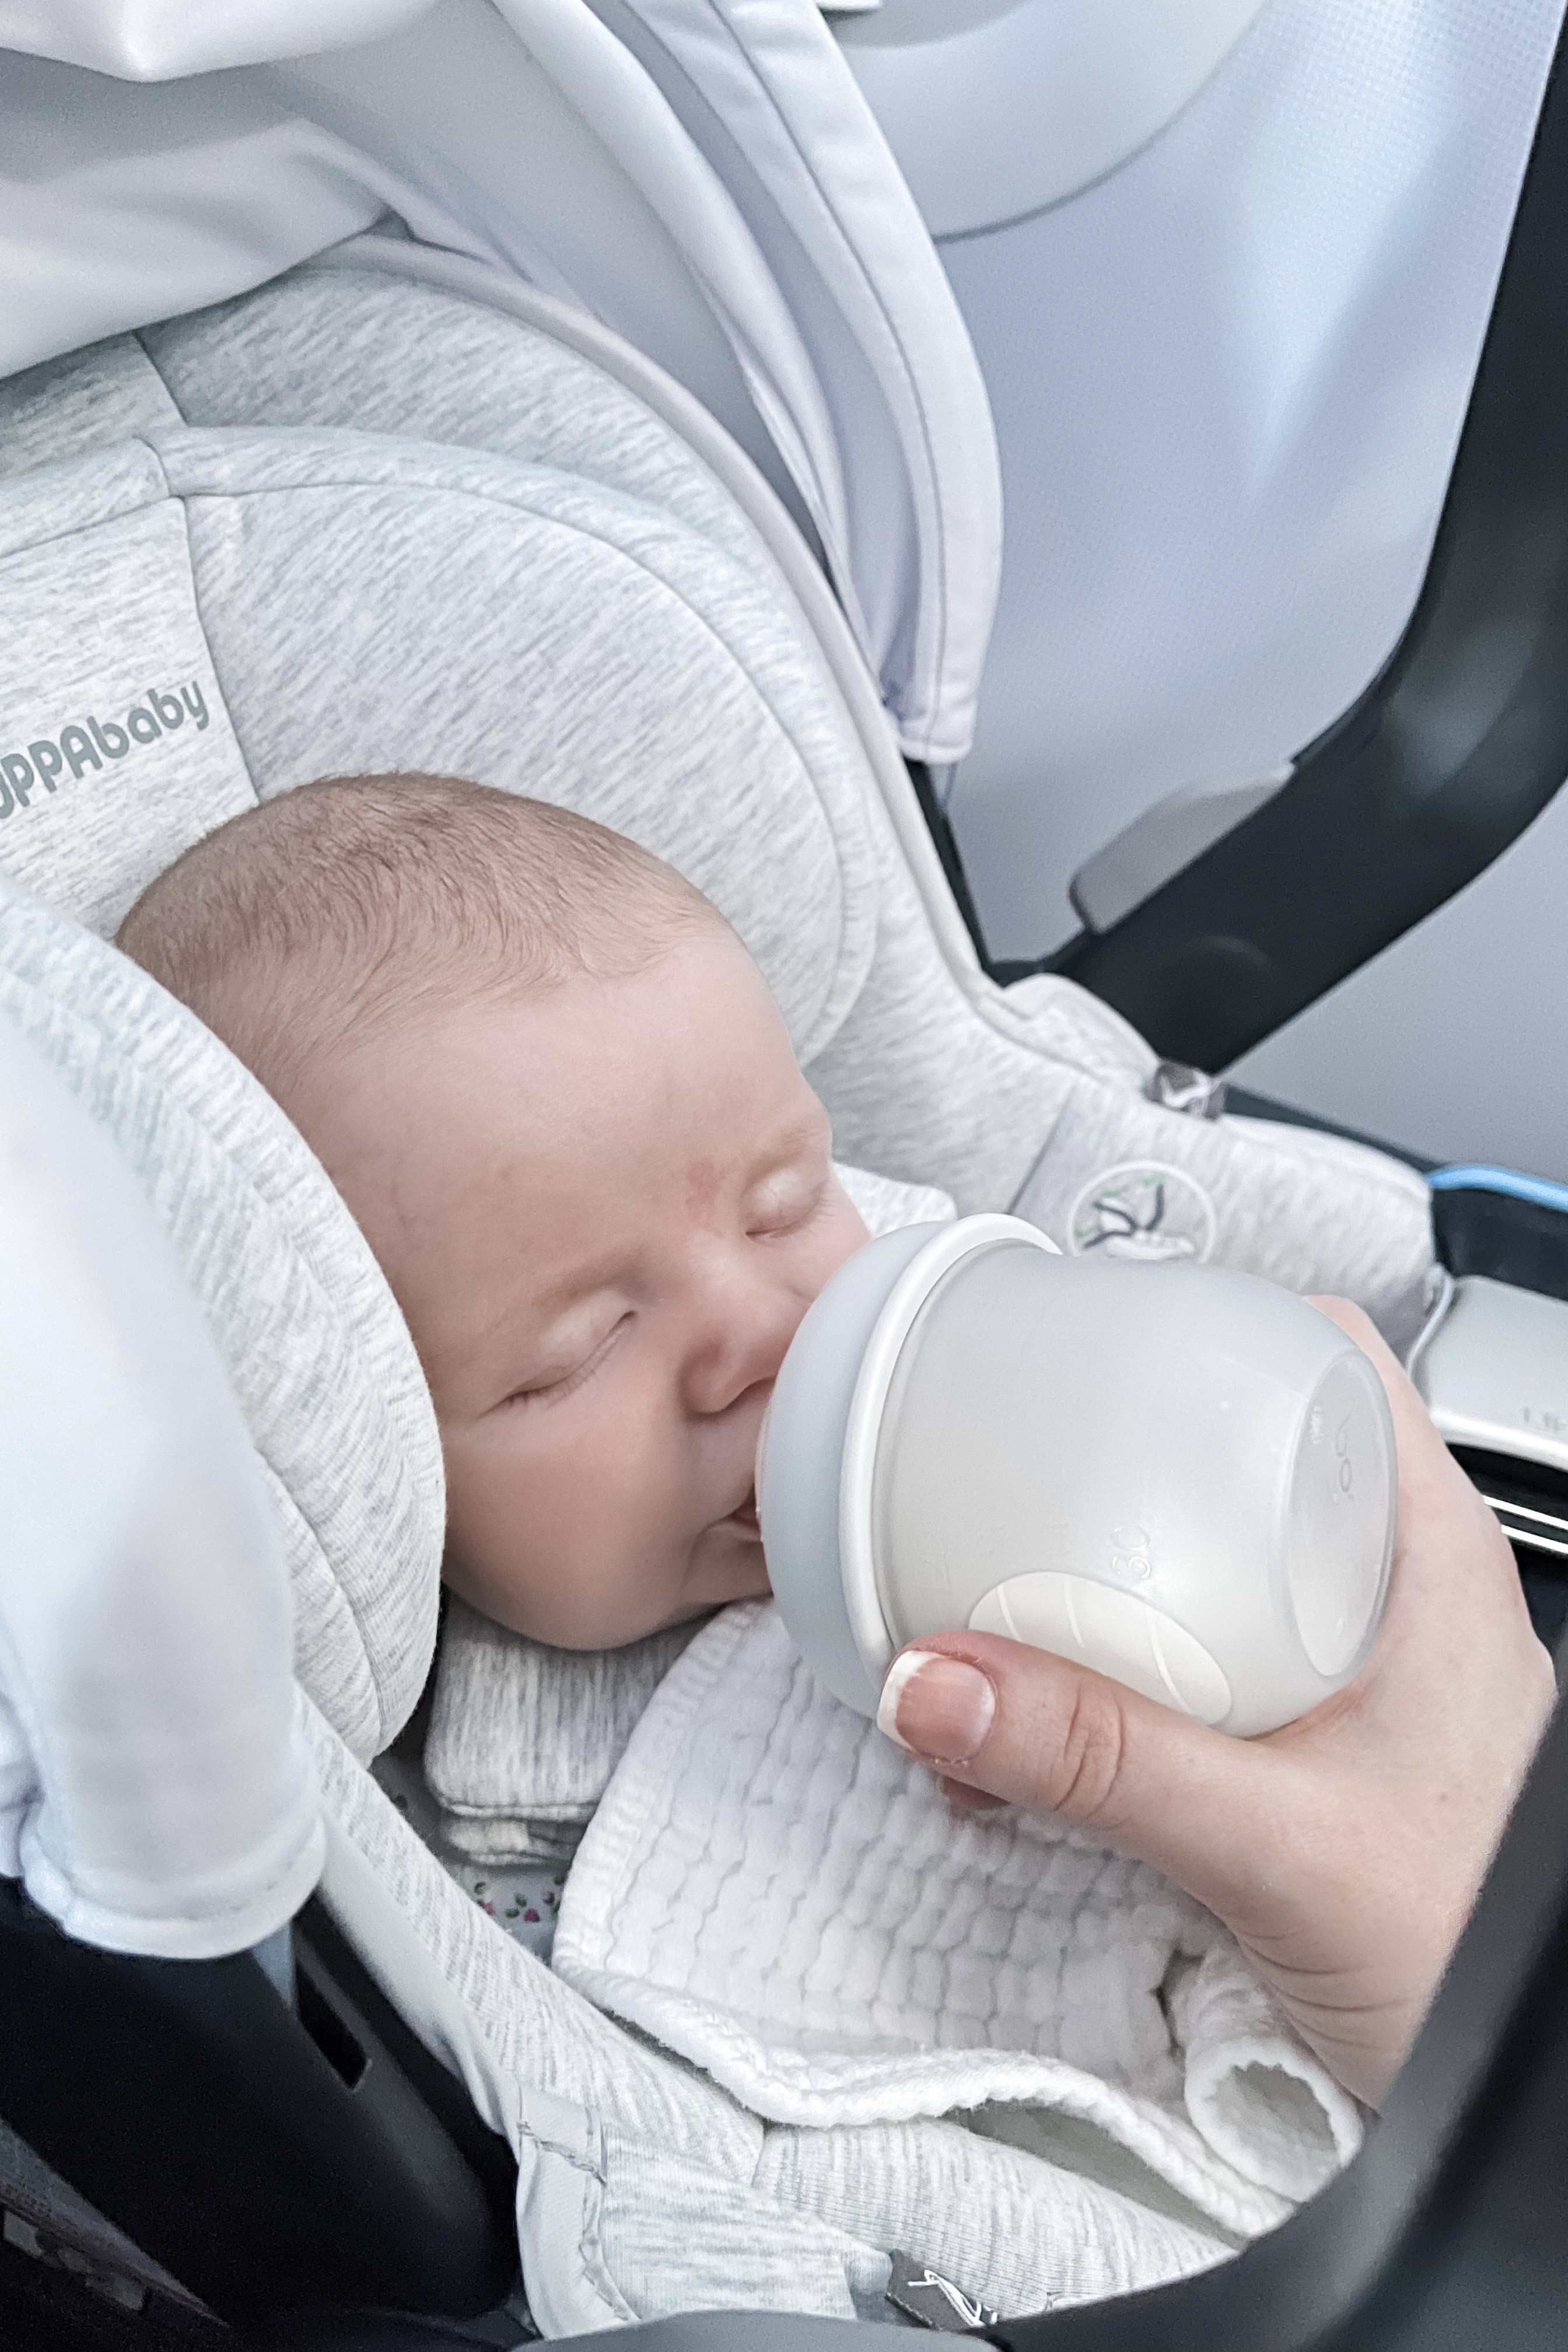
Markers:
647,2189
773,1891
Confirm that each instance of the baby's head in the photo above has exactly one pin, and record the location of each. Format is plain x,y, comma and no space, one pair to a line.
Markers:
552,1088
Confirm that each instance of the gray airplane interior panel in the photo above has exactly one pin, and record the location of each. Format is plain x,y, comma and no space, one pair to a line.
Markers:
1229,380
1452,1040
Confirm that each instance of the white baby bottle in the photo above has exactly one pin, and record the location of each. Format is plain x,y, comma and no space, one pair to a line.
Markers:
1179,1475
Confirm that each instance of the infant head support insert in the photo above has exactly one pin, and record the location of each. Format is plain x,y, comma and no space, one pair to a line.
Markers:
1179,1476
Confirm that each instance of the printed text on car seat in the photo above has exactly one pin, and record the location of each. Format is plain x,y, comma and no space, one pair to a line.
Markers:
94,743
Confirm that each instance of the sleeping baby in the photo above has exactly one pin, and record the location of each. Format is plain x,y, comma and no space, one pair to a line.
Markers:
553,1090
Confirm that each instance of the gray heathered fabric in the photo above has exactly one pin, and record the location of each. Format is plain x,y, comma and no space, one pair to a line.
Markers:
104,665
310,1335
1312,1212
79,494
96,399
359,349
541,634
1023,1104
523,1737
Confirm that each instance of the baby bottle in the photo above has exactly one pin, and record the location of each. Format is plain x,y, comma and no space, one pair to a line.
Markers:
1179,1475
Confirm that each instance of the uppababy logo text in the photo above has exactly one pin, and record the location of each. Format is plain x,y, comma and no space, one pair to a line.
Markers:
90,742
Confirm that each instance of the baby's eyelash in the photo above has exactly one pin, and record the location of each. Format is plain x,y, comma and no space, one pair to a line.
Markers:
539,1395
553,1392
792,1221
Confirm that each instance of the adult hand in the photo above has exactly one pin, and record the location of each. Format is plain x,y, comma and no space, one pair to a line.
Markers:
1343,1852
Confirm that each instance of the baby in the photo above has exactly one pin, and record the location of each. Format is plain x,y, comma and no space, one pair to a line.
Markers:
553,1090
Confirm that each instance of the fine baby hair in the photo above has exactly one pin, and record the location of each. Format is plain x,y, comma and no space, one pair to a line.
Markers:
1177,1475
353,901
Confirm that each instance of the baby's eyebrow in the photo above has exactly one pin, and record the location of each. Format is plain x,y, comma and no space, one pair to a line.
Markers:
518,1318
568,1290
811,1128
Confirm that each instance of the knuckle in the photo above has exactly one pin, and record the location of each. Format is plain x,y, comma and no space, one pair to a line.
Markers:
1090,1750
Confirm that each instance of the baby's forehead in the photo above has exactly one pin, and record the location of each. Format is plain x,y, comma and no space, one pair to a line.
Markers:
334,908
685,1047
693,1006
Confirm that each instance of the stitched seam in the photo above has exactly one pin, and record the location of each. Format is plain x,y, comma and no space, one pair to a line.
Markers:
647,571
868,283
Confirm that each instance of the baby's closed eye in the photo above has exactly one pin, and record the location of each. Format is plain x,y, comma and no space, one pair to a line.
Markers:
788,1201
551,1382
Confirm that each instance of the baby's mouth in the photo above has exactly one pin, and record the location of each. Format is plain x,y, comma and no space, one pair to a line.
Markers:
745,1514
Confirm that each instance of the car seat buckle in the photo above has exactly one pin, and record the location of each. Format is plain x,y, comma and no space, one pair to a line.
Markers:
923,2295
1177,1086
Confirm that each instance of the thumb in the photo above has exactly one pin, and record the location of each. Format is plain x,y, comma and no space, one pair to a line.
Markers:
1031,1728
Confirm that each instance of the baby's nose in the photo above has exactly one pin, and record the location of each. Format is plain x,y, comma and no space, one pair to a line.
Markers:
746,1336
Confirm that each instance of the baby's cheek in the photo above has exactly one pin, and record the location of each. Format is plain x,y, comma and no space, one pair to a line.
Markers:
561,1533
842,1235
504,1534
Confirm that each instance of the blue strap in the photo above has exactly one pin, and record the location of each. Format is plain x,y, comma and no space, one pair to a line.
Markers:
1536,1189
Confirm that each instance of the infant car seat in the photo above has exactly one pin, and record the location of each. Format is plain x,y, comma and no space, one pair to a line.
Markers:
394,508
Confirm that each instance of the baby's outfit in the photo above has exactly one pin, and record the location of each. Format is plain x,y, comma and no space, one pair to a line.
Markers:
981,2044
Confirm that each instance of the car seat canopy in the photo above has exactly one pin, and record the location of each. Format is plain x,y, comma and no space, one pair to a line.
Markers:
718,191
154,43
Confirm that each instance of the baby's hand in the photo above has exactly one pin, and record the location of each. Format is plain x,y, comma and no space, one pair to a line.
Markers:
1344,1851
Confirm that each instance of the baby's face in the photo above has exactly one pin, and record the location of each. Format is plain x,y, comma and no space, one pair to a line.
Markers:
603,1210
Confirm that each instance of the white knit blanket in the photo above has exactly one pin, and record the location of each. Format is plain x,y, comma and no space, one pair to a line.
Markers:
775,1891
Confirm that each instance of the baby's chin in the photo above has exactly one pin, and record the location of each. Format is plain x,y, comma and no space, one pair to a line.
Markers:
721,1573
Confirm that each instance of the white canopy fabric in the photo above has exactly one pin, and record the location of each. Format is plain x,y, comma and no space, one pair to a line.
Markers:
156,1792
158,40
702,176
